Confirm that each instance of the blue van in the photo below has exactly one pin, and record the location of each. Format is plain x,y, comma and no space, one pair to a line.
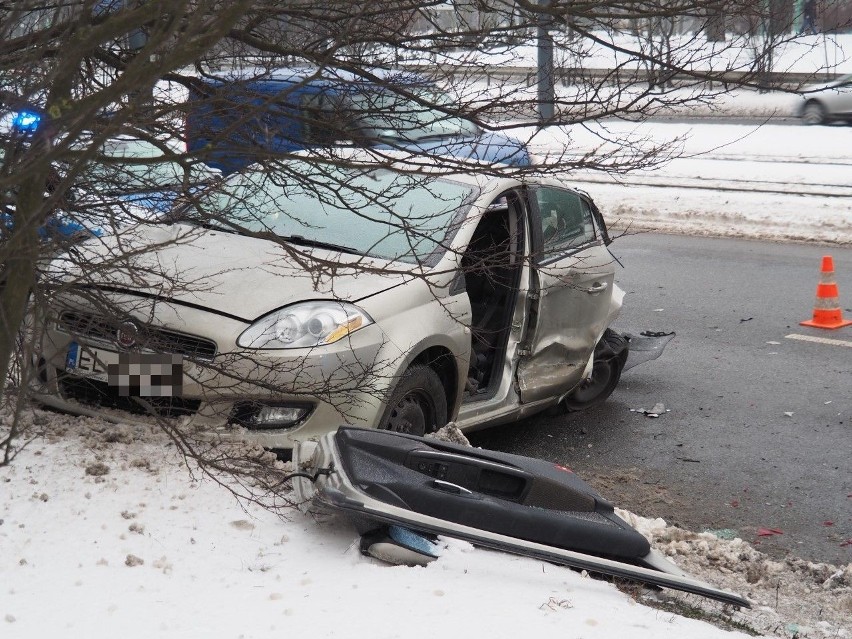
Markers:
235,119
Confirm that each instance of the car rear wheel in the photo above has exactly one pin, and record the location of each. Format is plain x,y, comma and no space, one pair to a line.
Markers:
418,404
813,113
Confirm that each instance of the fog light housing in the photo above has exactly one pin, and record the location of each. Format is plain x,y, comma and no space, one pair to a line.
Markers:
271,415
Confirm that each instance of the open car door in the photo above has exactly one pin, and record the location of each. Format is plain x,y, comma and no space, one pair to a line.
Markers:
572,280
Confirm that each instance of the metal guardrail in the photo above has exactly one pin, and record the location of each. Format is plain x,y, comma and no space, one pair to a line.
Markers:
780,80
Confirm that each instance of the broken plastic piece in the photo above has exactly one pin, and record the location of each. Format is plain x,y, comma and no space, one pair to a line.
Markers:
723,533
768,532
646,346
400,546
658,409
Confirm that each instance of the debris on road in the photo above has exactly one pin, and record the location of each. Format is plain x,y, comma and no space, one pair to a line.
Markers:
724,533
658,409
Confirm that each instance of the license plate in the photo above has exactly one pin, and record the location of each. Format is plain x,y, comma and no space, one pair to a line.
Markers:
89,362
132,374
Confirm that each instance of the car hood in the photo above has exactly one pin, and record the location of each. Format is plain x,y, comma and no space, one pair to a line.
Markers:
242,277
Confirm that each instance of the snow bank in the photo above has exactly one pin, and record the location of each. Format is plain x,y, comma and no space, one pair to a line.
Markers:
106,533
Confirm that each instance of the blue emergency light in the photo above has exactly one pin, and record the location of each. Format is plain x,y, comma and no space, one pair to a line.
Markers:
26,121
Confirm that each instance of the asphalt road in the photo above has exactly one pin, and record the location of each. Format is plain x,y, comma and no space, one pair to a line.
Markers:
758,433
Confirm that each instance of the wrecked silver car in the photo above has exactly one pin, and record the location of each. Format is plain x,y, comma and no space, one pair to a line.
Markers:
372,297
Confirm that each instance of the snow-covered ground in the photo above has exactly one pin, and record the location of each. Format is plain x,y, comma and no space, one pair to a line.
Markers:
105,532
827,53
779,181
783,182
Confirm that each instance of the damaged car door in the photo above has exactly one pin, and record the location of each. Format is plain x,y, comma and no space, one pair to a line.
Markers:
572,286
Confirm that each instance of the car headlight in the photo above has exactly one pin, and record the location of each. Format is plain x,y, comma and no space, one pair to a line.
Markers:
304,325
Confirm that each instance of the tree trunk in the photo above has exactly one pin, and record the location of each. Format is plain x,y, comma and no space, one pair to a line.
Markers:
715,26
21,254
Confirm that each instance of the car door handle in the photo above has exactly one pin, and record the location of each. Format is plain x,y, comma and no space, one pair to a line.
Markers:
449,487
599,287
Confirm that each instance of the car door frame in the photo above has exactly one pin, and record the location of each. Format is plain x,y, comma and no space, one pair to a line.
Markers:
571,291
501,403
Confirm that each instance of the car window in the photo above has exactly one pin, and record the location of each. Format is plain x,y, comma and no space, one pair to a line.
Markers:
378,212
566,220
384,114
322,119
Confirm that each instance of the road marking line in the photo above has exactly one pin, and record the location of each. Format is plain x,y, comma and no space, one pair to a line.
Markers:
819,340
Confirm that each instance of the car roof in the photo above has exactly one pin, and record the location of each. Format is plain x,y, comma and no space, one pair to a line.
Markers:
316,75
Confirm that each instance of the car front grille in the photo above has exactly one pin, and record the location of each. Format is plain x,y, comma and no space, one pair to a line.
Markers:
96,393
155,339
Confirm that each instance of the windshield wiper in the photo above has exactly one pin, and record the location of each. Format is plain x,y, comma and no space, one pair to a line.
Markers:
304,241
218,227
179,217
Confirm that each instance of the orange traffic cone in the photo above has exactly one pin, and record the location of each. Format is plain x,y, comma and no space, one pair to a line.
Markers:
827,313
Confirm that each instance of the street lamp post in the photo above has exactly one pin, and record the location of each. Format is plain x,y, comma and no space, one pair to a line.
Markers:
544,74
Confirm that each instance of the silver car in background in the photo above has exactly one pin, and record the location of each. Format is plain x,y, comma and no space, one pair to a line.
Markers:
827,102
372,297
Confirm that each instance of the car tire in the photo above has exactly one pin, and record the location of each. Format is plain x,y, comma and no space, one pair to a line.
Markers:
813,113
418,404
606,373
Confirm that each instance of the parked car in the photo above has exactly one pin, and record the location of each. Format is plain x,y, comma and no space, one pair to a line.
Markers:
369,297
135,179
130,180
827,102
235,118
58,225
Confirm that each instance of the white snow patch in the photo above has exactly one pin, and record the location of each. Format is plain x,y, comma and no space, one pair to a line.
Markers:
146,550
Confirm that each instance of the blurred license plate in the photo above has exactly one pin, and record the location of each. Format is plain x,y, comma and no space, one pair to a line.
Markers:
131,374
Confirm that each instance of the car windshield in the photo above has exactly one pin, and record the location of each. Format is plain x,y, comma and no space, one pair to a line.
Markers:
379,213
383,114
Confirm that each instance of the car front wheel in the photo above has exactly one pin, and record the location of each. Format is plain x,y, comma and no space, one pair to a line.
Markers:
813,113
418,404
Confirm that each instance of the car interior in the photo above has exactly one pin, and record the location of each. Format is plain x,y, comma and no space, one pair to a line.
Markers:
492,267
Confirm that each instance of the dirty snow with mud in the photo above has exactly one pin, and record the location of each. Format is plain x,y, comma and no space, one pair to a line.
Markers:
105,531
